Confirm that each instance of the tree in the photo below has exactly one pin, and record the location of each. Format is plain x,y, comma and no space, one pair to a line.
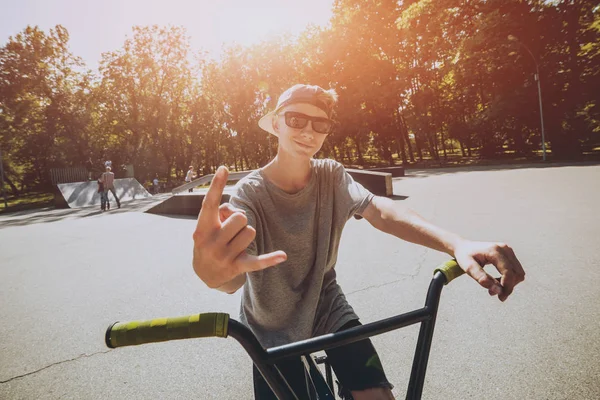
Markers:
43,97
146,91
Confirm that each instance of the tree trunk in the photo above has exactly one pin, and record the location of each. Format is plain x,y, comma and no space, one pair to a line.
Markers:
14,189
406,138
359,153
400,141
401,151
432,148
419,151
443,142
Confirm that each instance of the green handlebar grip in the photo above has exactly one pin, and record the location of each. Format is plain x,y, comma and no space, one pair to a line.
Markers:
163,329
450,269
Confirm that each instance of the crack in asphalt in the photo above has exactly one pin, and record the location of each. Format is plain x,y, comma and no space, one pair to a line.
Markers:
54,364
417,270
377,286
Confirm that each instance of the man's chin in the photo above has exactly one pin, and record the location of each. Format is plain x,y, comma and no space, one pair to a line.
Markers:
302,151
308,152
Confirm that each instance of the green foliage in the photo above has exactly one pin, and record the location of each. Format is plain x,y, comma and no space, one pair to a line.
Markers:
414,78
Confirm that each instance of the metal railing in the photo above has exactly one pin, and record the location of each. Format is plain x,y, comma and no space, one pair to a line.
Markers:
68,175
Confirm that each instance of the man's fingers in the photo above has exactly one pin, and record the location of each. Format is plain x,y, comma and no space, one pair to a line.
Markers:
516,266
209,212
226,210
476,272
241,241
509,280
231,227
250,263
498,280
513,276
512,272
507,284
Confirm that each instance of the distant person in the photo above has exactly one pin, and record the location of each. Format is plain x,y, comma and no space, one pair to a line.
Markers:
108,178
155,184
190,177
103,195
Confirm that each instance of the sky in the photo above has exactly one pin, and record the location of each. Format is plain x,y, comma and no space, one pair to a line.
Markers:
99,26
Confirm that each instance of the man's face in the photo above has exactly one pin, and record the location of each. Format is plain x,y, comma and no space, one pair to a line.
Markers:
304,142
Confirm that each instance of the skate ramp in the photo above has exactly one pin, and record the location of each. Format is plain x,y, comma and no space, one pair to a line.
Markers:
184,203
85,194
187,203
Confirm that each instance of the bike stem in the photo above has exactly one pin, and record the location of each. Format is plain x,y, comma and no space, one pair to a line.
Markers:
265,359
419,367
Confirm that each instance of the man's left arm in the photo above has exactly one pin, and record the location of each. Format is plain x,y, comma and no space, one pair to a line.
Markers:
396,219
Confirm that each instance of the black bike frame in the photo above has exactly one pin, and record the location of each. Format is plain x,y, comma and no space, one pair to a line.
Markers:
265,359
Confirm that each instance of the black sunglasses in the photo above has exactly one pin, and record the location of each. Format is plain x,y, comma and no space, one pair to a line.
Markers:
298,120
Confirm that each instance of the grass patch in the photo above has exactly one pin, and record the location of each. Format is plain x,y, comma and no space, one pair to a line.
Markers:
26,201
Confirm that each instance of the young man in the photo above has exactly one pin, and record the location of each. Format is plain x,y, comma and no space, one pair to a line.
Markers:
108,178
104,203
279,238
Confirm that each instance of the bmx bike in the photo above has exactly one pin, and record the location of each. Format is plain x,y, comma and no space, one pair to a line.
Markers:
318,386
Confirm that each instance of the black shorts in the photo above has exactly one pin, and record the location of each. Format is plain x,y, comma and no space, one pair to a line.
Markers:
356,365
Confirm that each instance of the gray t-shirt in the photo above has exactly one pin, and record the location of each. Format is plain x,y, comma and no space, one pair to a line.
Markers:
299,298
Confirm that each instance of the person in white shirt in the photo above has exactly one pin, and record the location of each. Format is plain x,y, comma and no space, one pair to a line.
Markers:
108,179
155,184
190,176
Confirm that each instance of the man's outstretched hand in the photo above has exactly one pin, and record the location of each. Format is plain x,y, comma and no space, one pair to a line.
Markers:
473,256
221,237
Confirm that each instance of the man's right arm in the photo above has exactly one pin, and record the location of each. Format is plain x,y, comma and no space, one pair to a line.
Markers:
220,244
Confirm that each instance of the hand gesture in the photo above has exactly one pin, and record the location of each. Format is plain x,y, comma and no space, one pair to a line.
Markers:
221,237
473,256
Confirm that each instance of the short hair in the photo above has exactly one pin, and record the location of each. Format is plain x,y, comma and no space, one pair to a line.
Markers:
329,97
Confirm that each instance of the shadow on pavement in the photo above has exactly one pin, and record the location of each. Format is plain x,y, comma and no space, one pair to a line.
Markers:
50,214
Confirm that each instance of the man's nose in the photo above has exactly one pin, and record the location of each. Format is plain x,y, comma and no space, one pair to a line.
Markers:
308,130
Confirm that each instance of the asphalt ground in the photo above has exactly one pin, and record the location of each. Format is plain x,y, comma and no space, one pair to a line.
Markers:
65,275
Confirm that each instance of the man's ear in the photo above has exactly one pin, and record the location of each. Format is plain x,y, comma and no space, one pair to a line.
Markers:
275,124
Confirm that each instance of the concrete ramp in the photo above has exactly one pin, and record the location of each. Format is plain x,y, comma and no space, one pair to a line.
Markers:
184,203
85,194
187,203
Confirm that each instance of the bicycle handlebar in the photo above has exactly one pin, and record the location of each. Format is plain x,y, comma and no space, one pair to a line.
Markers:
132,333
450,269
